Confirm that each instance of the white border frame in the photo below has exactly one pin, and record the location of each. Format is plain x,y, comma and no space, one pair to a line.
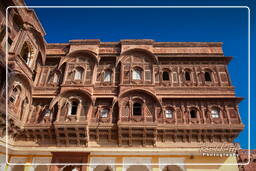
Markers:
123,164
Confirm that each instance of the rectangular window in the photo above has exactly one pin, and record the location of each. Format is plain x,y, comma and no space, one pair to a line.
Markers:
104,113
107,76
136,75
168,113
148,75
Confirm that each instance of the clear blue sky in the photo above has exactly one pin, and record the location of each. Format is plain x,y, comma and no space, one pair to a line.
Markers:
191,25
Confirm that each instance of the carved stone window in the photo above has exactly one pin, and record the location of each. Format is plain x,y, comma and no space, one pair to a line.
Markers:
137,109
104,113
15,94
54,78
215,113
107,76
24,107
26,53
193,113
166,76
187,76
169,113
73,108
207,76
79,71
137,74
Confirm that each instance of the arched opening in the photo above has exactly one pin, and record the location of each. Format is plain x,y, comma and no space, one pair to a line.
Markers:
79,73
137,109
103,168
55,78
15,94
26,53
166,76
138,168
207,76
215,113
107,76
24,107
193,113
172,168
187,76
169,113
137,74
73,108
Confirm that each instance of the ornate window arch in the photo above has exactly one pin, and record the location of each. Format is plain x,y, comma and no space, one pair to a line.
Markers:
54,77
215,112
26,53
169,112
15,94
193,113
187,75
166,75
107,75
137,107
208,75
73,106
137,73
79,72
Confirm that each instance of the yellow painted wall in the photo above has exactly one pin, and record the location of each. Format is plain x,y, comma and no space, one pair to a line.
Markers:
155,160
205,159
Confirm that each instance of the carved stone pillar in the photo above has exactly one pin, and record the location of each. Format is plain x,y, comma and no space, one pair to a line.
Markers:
94,74
79,110
227,113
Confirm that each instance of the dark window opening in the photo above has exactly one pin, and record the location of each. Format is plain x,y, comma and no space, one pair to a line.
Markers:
25,53
15,90
11,99
187,76
74,108
193,113
207,76
166,76
137,109
10,41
